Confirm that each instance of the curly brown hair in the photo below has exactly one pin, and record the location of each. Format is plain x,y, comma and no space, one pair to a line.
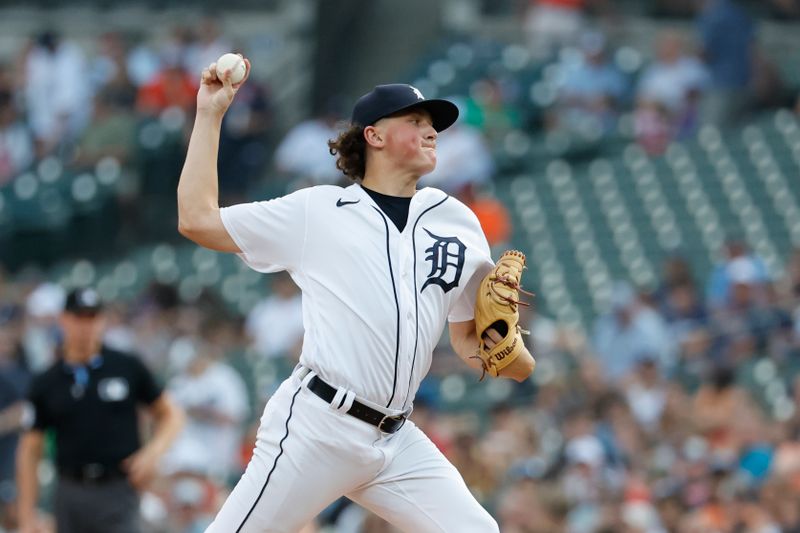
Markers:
350,147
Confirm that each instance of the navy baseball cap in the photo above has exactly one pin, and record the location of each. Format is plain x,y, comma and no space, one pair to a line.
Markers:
83,301
385,100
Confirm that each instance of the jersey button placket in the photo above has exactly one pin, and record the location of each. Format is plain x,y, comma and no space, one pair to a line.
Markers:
407,303
406,262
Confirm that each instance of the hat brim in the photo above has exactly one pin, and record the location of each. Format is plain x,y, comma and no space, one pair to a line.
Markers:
443,113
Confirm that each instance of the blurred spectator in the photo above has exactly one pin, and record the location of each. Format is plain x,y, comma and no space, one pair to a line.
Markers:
120,335
739,265
768,88
694,360
112,133
172,88
629,329
275,325
215,400
754,518
528,506
242,147
592,90
491,110
727,36
14,379
553,342
492,214
207,43
189,505
671,87
551,24
16,142
646,392
788,286
57,91
584,480
467,456
462,157
303,154
720,410
652,127
684,311
108,70
509,437
675,271
42,332
142,62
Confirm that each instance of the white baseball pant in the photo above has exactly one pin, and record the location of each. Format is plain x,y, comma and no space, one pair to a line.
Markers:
308,454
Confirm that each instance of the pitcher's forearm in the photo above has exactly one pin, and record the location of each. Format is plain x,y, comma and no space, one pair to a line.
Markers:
198,188
466,347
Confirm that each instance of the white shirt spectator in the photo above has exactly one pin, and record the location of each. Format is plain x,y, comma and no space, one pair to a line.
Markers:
462,157
41,337
628,331
276,325
57,91
143,64
646,403
304,152
670,83
215,400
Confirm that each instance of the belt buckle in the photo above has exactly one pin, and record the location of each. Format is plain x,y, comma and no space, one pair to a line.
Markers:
92,472
400,418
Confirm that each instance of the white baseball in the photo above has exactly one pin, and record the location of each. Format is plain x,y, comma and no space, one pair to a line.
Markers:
235,63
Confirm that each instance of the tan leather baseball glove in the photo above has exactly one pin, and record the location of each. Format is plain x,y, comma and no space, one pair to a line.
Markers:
497,306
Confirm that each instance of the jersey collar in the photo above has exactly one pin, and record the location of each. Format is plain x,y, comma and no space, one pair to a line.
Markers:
422,199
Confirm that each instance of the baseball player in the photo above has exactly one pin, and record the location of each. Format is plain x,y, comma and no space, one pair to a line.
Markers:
381,266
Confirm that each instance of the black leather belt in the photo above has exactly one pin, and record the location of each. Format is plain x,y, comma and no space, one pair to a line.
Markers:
91,473
386,423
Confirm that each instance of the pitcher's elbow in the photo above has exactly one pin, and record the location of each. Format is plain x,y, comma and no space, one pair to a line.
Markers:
186,229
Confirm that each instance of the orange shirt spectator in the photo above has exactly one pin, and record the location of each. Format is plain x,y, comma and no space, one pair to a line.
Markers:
172,87
494,219
492,214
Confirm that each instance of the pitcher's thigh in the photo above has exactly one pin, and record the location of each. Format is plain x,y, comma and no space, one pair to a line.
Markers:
285,485
422,492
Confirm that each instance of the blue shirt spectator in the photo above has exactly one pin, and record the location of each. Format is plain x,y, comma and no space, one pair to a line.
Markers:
727,33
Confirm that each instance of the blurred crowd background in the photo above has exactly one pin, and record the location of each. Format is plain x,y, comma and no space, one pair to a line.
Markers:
645,155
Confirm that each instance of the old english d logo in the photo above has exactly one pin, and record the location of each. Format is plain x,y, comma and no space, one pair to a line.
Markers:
446,255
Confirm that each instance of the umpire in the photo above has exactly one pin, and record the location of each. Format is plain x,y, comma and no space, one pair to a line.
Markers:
89,400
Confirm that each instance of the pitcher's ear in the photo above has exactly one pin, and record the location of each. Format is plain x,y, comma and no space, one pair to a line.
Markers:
373,136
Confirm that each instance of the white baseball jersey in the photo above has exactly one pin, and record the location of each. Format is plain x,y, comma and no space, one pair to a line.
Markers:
374,298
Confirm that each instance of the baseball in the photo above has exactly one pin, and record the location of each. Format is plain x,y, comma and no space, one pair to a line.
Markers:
235,63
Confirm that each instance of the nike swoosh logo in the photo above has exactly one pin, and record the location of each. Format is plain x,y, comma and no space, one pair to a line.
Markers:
340,203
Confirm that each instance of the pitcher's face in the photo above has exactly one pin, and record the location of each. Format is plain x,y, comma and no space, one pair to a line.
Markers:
410,140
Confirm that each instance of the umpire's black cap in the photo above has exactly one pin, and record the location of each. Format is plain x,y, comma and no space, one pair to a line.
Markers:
385,100
83,301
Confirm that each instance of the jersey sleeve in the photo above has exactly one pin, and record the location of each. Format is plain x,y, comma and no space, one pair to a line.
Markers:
270,234
463,306
147,388
42,419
